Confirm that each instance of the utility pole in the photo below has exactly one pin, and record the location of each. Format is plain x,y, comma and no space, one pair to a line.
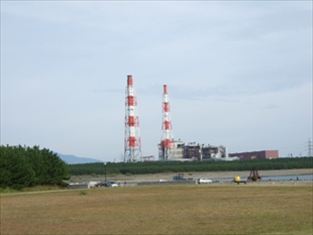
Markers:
310,148
105,173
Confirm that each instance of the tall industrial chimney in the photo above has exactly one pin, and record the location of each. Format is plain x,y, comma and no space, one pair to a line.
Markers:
167,139
132,141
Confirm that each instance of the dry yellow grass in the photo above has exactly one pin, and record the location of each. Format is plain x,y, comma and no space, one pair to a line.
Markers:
184,209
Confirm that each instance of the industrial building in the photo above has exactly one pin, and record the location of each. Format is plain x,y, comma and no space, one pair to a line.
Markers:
215,152
263,154
175,153
193,151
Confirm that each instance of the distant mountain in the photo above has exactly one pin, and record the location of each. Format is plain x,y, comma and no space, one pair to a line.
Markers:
72,159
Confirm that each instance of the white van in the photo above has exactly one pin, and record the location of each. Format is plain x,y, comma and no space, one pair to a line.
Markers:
93,184
205,181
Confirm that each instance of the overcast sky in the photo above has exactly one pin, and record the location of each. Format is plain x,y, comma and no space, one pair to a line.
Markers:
239,74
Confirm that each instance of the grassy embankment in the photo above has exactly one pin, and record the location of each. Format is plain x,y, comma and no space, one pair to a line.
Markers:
188,209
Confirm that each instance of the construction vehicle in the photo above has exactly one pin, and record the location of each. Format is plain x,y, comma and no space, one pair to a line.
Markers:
254,175
237,180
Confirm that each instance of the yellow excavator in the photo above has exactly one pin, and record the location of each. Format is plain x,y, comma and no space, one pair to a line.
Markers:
254,176
238,180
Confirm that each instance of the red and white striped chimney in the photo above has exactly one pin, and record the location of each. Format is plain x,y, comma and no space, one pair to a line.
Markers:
132,142
167,139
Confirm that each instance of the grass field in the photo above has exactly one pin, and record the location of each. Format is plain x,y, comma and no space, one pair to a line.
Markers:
184,209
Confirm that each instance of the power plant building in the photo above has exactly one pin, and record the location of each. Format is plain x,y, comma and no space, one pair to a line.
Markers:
264,154
192,152
213,152
175,153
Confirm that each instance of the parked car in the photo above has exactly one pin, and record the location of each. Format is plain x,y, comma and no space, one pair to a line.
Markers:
179,177
110,184
113,184
205,181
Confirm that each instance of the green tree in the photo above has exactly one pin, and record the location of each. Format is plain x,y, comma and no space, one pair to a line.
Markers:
26,166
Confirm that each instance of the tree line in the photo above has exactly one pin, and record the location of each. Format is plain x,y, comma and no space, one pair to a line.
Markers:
22,166
174,166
